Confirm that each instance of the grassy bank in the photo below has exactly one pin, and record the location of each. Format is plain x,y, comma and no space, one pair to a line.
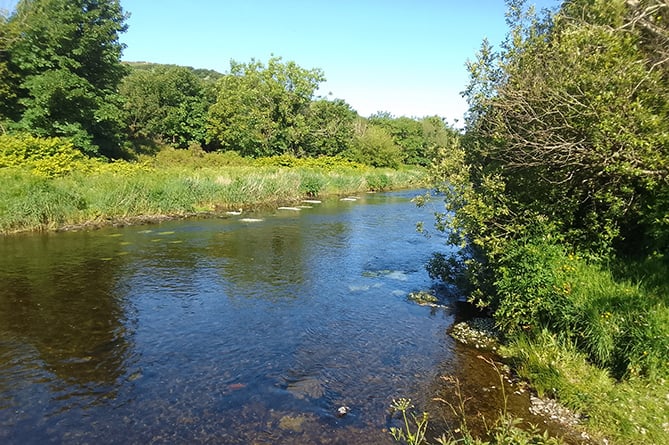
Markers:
605,351
599,341
174,183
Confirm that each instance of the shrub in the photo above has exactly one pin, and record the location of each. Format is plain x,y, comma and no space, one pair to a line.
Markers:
530,285
46,157
311,184
378,181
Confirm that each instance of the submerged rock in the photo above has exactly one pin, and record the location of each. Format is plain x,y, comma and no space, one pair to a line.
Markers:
423,297
343,410
292,423
309,387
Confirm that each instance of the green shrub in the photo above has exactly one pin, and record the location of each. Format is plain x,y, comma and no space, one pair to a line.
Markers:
46,157
311,184
378,181
530,285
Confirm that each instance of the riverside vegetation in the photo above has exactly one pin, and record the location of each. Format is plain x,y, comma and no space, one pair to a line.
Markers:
62,188
557,193
557,196
86,139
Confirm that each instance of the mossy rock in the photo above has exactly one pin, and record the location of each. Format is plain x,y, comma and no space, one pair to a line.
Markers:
423,298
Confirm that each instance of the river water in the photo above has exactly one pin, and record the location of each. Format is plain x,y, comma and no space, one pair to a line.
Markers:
250,329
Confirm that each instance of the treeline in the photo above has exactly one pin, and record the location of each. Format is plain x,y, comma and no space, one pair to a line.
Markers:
61,76
268,110
560,192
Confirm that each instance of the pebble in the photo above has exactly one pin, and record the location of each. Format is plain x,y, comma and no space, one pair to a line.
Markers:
343,410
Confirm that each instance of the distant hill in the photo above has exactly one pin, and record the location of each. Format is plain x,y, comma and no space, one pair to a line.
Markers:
202,73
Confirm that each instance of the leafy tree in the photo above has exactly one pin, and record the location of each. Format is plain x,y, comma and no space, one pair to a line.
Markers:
374,146
407,133
166,103
330,127
566,150
263,110
571,117
8,79
436,134
68,58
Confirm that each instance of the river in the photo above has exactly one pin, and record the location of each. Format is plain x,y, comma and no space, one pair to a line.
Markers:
248,329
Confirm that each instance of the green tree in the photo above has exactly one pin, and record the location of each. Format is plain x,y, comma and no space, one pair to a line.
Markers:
407,133
330,127
9,80
572,118
263,110
373,145
167,104
68,57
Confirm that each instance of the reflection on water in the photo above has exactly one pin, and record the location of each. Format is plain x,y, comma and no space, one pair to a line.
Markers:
220,330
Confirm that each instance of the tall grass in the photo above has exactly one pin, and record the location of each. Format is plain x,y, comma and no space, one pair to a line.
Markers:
592,332
176,183
632,411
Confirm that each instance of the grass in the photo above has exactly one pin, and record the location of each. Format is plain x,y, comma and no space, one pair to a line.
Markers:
605,352
176,183
593,334
631,411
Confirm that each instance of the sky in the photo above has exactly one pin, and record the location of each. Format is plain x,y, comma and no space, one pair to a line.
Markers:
405,57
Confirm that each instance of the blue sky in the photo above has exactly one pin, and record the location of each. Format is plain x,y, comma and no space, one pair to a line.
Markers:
405,57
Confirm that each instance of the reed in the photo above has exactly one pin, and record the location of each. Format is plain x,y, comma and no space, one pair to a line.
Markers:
172,185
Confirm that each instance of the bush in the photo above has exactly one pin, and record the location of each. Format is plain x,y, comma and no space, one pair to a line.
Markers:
530,285
378,181
311,184
621,326
46,157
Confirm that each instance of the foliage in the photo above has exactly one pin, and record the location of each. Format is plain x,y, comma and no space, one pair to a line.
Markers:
557,160
165,104
67,56
262,110
330,125
373,145
328,163
572,119
173,183
412,431
561,177
631,411
47,157
406,133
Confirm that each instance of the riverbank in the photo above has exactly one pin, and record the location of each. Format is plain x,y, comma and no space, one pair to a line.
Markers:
593,407
177,184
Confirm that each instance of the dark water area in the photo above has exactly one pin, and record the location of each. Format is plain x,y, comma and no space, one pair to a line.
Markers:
252,329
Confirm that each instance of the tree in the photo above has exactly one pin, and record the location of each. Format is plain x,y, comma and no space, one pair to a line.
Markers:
374,146
9,80
330,127
572,118
262,110
165,103
407,134
68,57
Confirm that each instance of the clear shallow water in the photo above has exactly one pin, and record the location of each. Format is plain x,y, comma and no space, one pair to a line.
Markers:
220,330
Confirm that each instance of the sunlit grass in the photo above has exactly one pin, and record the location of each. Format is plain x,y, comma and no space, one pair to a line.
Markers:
176,183
624,412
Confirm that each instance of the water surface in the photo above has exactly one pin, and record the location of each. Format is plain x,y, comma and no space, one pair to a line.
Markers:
221,330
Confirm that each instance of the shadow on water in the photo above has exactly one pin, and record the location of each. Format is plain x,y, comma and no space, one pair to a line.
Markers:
225,330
